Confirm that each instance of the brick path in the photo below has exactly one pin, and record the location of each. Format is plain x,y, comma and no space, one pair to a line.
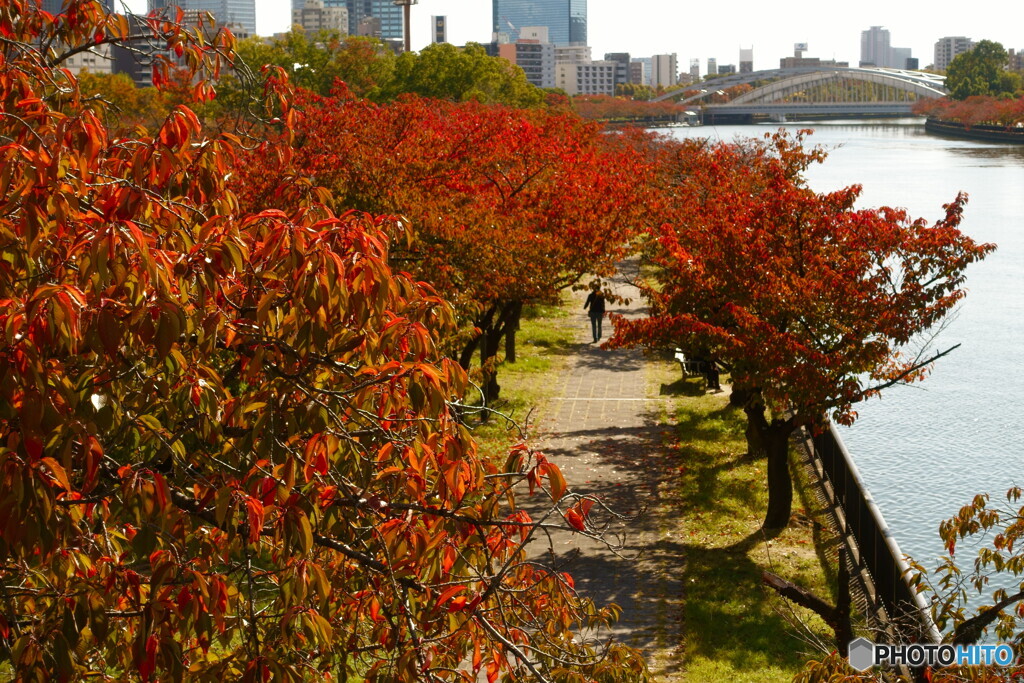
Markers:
603,435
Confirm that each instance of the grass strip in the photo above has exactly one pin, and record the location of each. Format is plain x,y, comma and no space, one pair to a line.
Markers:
734,629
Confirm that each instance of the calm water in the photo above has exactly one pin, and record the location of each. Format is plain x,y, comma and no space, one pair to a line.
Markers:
926,450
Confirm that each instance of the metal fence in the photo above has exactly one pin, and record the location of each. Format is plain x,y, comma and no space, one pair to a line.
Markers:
895,608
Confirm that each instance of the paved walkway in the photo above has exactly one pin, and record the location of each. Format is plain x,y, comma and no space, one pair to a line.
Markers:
603,435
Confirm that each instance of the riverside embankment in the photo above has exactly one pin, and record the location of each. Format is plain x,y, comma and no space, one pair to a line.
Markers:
987,133
926,450
669,457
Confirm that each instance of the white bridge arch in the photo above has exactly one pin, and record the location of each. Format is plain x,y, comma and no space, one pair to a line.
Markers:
813,92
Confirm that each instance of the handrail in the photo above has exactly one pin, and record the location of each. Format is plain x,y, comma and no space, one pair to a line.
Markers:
876,551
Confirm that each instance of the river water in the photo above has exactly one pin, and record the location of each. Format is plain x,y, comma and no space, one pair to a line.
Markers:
925,450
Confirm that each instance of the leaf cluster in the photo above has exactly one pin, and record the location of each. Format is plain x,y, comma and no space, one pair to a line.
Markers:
981,71
806,299
230,447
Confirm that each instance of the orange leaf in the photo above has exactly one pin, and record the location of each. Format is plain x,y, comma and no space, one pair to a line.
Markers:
58,472
557,481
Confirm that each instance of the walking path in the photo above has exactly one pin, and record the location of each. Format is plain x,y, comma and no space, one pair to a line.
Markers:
603,435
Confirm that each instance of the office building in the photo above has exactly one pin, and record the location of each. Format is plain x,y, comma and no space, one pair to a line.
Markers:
1016,60
438,29
900,56
712,66
315,17
237,15
57,6
875,47
694,70
746,60
588,78
621,59
637,72
876,50
98,60
949,47
376,18
664,71
533,54
646,70
566,20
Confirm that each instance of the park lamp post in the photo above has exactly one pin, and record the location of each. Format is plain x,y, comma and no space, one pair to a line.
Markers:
406,6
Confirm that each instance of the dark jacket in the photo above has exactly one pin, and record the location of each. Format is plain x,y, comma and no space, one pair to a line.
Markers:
595,302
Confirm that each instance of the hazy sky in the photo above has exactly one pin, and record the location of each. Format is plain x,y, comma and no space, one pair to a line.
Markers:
704,29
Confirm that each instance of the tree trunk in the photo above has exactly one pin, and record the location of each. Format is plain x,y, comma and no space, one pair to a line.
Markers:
492,342
780,485
507,318
484,324
773,438
510,334
741,398
466,357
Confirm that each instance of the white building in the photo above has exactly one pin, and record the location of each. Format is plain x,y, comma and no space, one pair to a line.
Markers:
98,60
533,54
664,71
875,47
577,74
949,47
746,60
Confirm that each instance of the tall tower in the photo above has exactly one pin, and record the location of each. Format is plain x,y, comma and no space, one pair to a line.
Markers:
875,48
438,29
746,60
566,19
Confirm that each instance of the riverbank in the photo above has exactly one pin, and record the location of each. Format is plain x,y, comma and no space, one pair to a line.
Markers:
985,132
670,456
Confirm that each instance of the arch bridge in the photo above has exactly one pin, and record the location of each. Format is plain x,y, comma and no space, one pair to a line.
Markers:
813,92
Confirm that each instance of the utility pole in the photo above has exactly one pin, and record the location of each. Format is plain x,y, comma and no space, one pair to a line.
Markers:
406,6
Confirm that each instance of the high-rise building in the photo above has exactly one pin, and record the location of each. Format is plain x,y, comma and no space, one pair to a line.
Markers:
694,70
746,60
363,13
636,72
898,57
712,66
533,54
1016,60
566,19
315,17
438,29
57,6
875,49
949,47
621,59
664,71
238,15
646,70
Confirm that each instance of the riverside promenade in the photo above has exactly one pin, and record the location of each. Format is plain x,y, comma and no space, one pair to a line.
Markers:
601,430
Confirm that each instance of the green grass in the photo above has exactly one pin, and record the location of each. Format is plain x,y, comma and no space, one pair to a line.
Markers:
543,345
733,628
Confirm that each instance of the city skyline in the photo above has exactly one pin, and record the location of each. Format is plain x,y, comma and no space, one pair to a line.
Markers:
650,28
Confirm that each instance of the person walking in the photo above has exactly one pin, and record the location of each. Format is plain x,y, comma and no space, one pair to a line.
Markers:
595,302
